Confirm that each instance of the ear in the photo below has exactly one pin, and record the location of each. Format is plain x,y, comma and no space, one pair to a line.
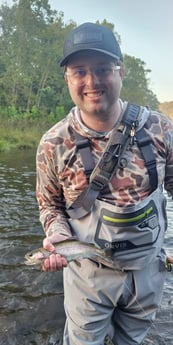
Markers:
65,78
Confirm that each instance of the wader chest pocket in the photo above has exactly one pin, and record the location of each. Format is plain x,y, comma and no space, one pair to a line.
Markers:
128,231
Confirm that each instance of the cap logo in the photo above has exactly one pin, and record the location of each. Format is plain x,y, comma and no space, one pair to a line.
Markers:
87,37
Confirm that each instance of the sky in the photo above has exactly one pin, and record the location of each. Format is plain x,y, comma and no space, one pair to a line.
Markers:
145,28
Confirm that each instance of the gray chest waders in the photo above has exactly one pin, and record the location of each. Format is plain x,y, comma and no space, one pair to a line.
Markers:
134,234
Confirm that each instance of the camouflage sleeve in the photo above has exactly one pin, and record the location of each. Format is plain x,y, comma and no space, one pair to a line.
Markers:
168,130
49,195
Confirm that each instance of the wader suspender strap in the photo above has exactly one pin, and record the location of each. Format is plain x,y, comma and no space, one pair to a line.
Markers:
144,143
100,177
83,145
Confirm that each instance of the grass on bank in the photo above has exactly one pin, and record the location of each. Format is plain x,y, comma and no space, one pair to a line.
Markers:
25,136
11,138
24,131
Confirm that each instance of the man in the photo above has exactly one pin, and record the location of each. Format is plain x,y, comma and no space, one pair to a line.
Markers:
128,212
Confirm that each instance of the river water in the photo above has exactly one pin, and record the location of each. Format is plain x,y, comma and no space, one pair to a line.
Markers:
31,302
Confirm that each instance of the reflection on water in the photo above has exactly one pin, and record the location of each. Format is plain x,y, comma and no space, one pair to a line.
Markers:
31,302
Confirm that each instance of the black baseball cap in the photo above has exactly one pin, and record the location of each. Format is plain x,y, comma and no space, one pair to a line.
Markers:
90,36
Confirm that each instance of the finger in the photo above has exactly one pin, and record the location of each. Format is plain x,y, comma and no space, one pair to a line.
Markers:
64,262
170,259
55,262
48,245
45,265
61,262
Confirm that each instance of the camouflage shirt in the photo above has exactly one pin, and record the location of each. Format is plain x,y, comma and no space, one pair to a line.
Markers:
61,177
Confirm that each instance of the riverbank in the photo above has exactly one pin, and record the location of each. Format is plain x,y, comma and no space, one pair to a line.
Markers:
21,133
13,138
24,130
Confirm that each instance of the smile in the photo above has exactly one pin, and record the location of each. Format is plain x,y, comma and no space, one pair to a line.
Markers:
94,94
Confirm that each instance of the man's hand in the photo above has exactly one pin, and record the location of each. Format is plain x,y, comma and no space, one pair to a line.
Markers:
169,259
55,262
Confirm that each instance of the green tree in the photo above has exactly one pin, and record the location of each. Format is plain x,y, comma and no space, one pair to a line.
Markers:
136,83
31,41
31,75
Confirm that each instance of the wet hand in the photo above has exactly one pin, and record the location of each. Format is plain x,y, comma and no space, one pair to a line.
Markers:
55,262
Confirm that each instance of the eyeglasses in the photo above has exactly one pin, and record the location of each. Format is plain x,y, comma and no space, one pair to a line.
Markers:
79,76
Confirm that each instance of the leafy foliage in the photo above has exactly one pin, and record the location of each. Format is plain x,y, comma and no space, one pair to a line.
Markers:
136,84
31,45
31,81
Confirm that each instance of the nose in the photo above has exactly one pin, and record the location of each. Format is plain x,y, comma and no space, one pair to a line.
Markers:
91,78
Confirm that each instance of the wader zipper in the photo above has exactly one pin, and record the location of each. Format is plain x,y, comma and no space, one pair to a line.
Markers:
132,219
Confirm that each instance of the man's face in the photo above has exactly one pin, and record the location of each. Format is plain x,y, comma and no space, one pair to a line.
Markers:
94,83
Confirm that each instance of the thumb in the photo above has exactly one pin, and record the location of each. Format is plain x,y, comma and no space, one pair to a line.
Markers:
48,245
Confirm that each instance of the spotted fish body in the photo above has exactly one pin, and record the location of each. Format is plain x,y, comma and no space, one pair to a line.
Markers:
72,250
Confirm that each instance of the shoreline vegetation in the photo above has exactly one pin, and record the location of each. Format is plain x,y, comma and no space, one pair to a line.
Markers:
25,131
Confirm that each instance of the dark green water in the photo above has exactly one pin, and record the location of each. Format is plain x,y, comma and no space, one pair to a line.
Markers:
31,302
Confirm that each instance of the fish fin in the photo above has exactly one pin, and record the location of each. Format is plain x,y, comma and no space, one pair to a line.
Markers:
72,238
77,262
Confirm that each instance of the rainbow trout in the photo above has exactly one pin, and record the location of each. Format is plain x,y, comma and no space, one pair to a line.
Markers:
72,250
